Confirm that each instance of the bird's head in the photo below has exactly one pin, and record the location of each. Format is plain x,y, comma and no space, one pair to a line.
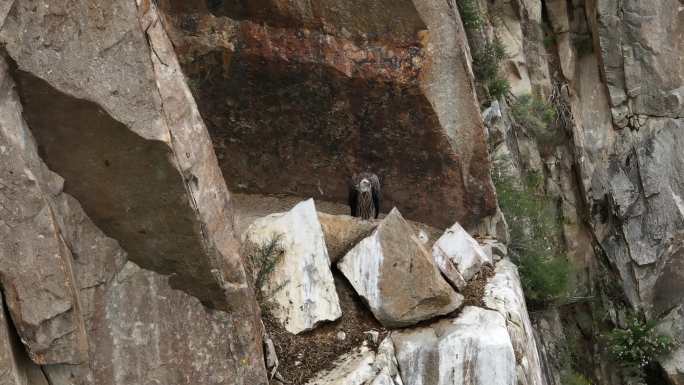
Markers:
364,185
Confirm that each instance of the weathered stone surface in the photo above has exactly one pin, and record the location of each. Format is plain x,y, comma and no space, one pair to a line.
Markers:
15,366
283,88
301,286
393,251
342,232
494,249
508,29
551,343
642,192
363,367
472,349
504,294
672,324
105,99
458,256
36,271
104,96
146,332
641,45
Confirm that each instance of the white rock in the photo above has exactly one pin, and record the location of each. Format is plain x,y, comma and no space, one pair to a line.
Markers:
494,249
459,256
341,335
301,287
270,356
396,275
363,367
504,294
473,349
355,368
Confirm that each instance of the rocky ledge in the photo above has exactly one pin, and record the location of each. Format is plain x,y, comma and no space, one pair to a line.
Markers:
400,280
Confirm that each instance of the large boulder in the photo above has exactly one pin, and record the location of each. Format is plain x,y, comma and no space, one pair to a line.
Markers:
504,294
107,103
394,273
300,288
126,169
36,269
473,349
299,95
459,256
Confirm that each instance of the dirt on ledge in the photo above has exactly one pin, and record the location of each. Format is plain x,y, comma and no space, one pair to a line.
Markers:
302,356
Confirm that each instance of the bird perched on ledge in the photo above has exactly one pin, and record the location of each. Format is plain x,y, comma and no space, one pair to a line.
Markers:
365,195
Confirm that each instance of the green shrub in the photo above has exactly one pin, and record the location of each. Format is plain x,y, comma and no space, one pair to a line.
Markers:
470,13
537,117
498,88
486,66
549,40
486,61
535,244
637,345
570,377
264,259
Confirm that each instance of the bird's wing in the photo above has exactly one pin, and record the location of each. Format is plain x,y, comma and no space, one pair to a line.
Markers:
377,194
353,199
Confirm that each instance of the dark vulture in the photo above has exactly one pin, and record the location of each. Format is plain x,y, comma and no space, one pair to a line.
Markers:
365,195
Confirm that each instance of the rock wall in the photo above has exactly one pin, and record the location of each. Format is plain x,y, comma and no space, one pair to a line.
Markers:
615,70
118,261
118,257
299,96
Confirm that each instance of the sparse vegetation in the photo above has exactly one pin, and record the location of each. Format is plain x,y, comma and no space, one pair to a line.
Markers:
637,346
536,243
498,88
470,13
486,64
549,40
570,377
536,117
264,258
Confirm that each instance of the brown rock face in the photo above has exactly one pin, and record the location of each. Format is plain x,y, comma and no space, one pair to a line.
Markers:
298,97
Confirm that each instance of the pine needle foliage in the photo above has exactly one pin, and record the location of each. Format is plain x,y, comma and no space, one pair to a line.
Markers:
264,259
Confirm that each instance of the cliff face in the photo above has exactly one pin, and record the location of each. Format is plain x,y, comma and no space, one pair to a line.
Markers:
123,125
615,70
299,96
116,239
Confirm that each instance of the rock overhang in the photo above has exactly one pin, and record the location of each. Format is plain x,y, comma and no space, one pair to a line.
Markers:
297,108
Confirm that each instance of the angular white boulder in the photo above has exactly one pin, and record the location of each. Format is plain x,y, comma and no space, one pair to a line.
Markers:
504,294
396,275
300,289
363,367
494,249
459,256
473,349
